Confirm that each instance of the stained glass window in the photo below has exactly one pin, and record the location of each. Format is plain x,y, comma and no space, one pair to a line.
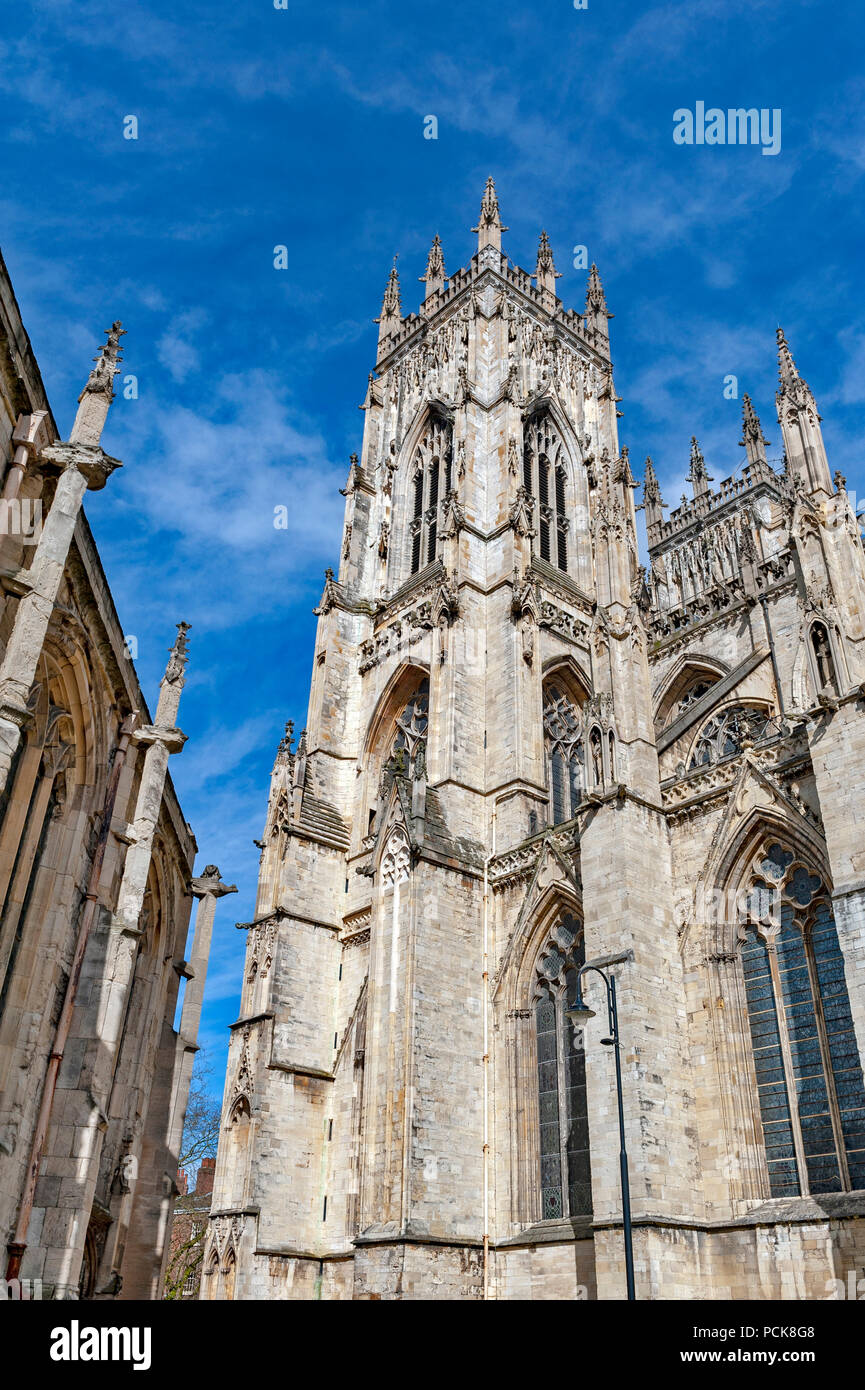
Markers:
563,743
730,730
809,1075
563,1148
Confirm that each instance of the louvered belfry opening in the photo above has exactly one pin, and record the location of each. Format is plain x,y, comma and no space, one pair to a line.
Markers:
433,464
545,480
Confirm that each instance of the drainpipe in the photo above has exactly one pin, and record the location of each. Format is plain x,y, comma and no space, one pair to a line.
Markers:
486,1063
18,1244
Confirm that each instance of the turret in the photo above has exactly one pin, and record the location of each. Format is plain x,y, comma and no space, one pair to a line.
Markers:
390,319
435,275
546,274
597,315
753,440
800,425
698,474
653,503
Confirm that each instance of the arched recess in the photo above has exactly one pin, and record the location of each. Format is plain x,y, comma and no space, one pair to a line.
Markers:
825,658
679,684
237,1147
567,670
564,699
795,1119
210,1277
547,433
400,686
229,1275
548,1129
407,693
428,447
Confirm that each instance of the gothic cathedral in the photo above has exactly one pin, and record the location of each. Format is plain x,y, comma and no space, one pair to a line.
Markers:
525,751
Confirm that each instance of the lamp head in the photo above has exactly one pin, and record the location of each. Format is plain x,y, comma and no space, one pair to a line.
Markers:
579,1013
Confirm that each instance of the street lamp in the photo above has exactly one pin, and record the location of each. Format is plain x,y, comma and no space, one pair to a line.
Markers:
579,1014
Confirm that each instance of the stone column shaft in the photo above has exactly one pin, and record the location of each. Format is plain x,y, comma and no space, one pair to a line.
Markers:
82,468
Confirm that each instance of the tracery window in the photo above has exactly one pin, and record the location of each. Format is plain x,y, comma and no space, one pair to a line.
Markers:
431,482
691,696
728,731
809,1076
565,1166
411,727
563,744
545,480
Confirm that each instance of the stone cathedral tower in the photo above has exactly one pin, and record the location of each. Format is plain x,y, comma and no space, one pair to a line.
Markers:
523,752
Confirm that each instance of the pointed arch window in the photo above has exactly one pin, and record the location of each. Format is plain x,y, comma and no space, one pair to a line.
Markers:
563,1148
809,1075
563,746
432,481
693,693
545,481
730,731
411,728
400,752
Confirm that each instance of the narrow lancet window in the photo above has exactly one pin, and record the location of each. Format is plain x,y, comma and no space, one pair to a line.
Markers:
432,463
563,743
563,1132
545,480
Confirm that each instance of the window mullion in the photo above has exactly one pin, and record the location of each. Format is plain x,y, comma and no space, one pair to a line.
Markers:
789,1073
564,1118
828,1071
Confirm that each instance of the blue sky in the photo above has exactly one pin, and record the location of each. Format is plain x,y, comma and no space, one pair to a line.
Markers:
304,127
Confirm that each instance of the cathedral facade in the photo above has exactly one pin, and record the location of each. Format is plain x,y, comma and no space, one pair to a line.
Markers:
525,752
96,879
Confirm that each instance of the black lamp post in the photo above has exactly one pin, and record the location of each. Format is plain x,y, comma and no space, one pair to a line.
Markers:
579,1014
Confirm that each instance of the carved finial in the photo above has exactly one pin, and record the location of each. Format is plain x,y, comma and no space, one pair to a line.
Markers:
597,314
787,370
545,270
490,227
753,439
390,319
651,486
178,656
98,392
101,379
697,474
623,468
435,274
